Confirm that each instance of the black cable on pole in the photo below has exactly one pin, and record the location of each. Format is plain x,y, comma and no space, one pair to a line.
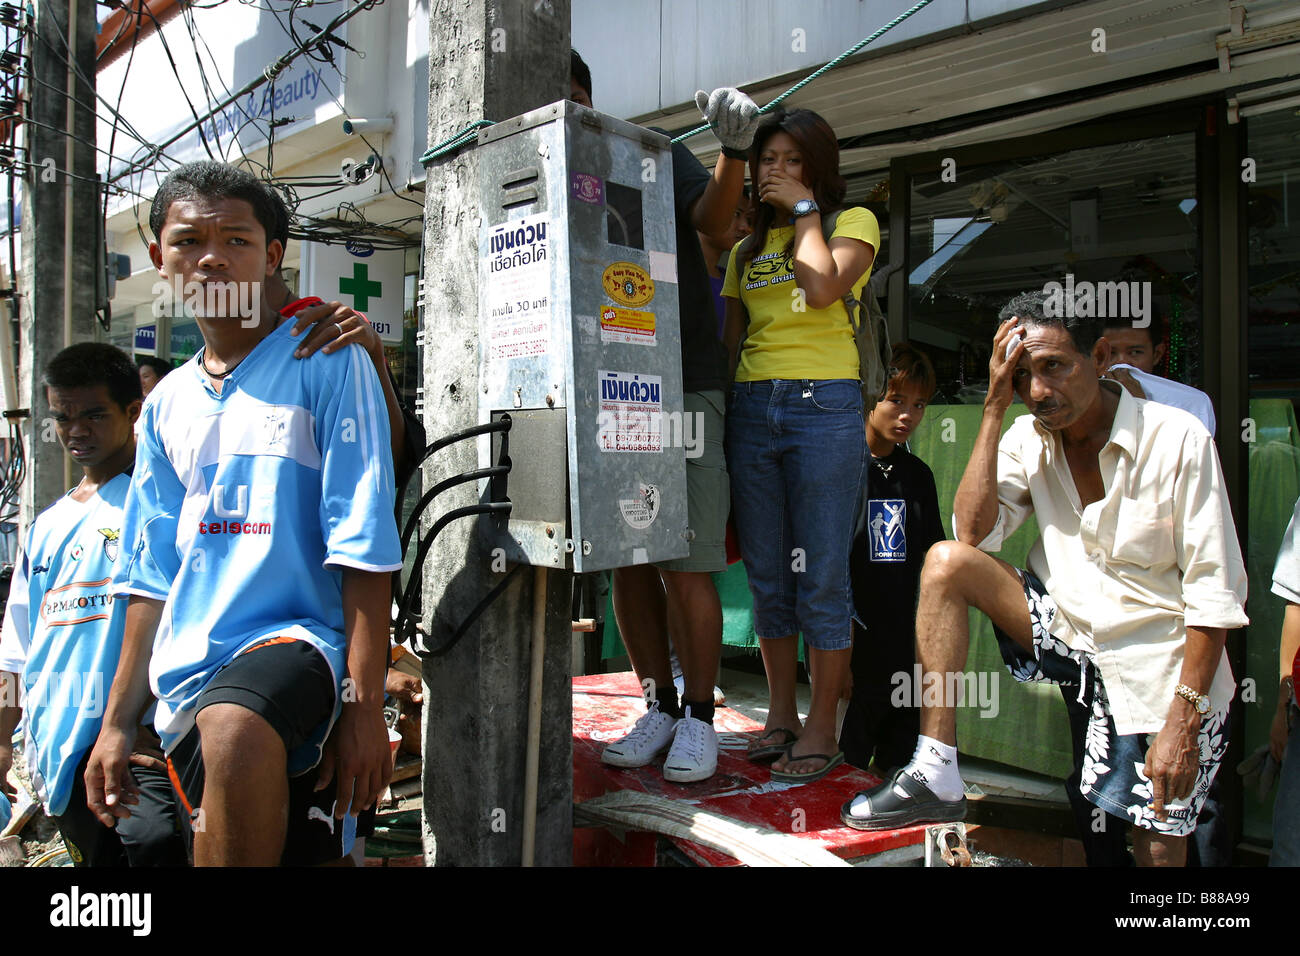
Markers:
412,586
502,424
470,618
426,499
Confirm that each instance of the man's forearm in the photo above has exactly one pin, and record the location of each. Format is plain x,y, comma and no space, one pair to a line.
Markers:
975,506
712,212
130,698
366,604
1290,646
396,423
1201,655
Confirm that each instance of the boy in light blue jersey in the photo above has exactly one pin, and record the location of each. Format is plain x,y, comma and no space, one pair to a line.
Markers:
258,541
62,631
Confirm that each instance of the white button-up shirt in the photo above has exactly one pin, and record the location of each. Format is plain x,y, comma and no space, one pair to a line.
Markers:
1130,572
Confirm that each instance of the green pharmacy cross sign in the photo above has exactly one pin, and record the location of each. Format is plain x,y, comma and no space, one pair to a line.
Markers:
360,287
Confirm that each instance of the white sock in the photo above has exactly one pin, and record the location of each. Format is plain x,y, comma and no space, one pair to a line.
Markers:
934,764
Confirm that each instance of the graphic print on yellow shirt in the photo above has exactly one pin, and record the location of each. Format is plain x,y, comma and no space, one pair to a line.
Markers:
783,342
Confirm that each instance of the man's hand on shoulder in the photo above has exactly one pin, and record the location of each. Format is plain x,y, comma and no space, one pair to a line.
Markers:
333,326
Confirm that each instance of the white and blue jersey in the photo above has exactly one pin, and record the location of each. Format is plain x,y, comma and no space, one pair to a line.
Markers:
246,505
63,633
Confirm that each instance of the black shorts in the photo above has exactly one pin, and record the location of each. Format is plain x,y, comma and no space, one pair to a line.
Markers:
288,683
151,836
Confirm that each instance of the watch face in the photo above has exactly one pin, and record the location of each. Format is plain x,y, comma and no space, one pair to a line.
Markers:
803,207
1203,705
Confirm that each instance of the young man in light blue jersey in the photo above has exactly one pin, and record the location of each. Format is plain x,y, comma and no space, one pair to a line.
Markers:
62,631
258,541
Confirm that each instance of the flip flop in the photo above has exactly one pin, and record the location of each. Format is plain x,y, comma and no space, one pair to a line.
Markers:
782,776
766,753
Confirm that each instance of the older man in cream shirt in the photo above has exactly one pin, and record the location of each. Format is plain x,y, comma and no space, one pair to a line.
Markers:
1128,596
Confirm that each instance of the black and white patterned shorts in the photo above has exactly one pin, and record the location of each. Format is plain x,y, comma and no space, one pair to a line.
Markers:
1112,764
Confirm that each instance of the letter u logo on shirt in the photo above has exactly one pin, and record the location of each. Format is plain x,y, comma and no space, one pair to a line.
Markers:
241,502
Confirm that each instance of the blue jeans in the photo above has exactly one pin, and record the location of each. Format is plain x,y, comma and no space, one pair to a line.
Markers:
795,452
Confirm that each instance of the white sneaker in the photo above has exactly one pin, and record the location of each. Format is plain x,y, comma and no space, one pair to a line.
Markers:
694,754
649,737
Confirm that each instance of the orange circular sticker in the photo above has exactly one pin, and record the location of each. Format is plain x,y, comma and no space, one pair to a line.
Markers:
628,284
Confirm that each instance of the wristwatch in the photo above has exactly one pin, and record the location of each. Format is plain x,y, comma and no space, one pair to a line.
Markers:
805,206
1200,701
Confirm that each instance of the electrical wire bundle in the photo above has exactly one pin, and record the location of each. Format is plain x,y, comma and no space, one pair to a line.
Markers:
317,46
406,624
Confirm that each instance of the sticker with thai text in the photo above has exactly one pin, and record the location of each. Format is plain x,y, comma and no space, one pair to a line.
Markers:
516,288
627,326
631,412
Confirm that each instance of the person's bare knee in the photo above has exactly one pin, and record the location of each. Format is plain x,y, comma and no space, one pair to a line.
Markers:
944,565
962,573
234,740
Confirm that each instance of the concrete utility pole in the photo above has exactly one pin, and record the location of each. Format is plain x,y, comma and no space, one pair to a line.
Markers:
488,59
56,236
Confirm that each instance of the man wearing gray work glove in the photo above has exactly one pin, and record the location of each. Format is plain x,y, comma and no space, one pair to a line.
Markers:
647,596
733,117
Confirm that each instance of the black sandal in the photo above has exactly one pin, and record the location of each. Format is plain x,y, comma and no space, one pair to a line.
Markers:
889,811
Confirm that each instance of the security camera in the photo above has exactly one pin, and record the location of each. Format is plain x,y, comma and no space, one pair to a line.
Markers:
354,127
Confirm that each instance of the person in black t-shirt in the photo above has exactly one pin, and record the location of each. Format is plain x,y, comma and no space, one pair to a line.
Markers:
898,522
648,596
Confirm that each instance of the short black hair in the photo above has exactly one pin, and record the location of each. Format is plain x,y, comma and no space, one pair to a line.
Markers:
1155,331
88,364
160,366
209,179
1031,309
281,208
579,70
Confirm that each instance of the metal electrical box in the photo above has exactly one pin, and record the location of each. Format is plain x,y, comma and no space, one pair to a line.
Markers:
579,340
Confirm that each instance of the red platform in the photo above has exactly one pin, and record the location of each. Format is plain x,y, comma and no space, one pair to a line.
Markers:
606,705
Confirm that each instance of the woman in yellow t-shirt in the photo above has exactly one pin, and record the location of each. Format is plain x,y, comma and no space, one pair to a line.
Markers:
795,434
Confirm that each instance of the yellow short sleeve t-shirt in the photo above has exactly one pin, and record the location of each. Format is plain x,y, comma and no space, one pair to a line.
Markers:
782,342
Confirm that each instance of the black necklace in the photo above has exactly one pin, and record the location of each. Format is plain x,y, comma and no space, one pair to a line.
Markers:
203,356
203,360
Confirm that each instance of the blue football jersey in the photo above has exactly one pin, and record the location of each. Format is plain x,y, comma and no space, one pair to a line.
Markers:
246,505
63,633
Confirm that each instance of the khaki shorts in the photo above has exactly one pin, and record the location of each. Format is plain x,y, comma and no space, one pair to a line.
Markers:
708,489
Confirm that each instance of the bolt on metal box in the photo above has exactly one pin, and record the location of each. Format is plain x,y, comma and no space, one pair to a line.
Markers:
579,341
